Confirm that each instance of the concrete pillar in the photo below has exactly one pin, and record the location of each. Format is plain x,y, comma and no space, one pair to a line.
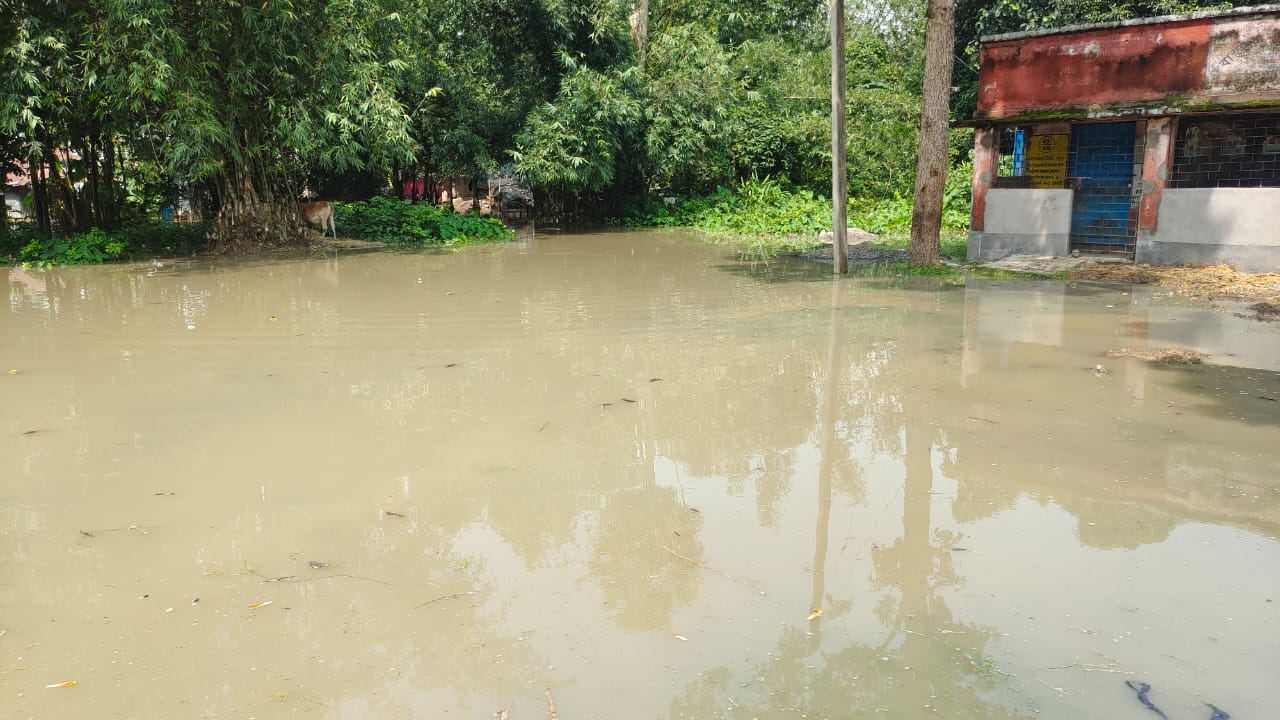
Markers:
1156,160
986,159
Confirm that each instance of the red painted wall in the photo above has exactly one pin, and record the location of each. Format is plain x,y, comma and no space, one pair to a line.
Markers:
1093,67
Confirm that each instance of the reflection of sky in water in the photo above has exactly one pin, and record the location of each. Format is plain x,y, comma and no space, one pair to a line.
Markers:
613,465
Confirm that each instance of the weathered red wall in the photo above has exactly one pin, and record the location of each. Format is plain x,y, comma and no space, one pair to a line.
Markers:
1107,71
1094,67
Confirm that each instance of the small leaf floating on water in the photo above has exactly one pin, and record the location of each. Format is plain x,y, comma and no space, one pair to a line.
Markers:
817,613
139,529
317,565
262,604
280,697
392,513
165,493
451,365
66,684
272,318
655,379
629,400
678,636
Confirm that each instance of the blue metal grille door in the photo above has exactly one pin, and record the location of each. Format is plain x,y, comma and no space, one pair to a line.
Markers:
1103,210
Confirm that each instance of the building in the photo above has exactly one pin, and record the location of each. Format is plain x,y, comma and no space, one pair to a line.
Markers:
1153,140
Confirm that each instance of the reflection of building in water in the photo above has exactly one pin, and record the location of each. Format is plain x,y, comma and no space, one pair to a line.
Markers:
1108,437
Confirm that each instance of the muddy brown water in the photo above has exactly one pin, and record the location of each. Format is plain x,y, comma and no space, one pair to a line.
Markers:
631,469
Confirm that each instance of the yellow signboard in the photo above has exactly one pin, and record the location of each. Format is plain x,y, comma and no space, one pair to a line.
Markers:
1047,160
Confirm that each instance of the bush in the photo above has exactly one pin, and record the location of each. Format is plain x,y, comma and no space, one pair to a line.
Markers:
17,236
27,244
400,222
758,207
163,238
90,248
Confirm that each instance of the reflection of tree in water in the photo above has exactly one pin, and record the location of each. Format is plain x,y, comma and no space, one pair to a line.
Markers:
920,667
637,535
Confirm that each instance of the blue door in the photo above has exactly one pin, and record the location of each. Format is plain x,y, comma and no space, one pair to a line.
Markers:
1103,213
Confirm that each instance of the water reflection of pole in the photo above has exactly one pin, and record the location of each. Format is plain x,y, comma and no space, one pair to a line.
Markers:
828,449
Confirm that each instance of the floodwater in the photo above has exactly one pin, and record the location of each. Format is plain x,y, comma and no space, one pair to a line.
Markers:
630,474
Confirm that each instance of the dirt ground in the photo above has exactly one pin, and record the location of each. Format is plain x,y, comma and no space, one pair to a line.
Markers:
1212,283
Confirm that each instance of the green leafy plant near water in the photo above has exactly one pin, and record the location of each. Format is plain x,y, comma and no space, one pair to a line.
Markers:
90,248
28,245
766,211
399,222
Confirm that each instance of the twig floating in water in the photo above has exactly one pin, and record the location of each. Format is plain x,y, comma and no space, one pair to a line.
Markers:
445,597
975,417
544,426
745,581
551,704
294,578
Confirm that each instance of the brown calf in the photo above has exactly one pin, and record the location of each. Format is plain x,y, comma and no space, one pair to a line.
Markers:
319,213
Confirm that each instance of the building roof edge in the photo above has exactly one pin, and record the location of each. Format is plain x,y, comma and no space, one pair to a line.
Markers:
1069,29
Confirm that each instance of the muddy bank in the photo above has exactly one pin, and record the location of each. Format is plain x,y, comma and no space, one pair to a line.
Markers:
348,244
858,254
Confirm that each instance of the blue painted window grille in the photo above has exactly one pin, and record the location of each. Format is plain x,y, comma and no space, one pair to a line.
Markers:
1012,170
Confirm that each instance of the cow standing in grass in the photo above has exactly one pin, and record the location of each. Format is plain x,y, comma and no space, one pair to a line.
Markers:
321,214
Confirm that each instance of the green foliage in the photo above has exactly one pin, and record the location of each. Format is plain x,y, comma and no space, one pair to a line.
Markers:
160,238
455,228
400,222
146,239
576,143
91,248
757,207
19,235
690,86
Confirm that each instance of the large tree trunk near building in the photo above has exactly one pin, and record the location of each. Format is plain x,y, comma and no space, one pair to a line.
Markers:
931,168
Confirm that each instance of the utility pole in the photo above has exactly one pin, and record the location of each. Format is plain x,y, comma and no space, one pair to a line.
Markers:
839,175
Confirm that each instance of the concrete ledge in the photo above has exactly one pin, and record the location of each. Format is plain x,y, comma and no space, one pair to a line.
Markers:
993,246
1249,258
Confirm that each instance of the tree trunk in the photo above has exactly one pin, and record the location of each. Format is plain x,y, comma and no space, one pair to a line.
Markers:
640,30
931,169
113,195
251,220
